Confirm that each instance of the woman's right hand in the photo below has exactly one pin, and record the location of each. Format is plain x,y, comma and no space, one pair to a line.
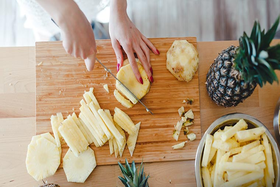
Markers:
77,35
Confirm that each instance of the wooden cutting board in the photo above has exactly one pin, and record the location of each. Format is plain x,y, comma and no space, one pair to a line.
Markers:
62,79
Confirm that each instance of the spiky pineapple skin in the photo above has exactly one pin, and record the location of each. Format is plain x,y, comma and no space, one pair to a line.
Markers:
224,83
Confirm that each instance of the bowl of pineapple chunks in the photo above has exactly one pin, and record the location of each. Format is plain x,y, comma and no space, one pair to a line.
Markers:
237,150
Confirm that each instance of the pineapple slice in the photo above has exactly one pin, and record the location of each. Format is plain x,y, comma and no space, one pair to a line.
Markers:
94,110
127,77
73,136
181,111
90,97
189,114
177,130
43,158
179,146
105,86
111,126
55,122
124,121
111,146
121,146
191,136
83,128
77,169
46,135
125,102
92,130
116,148
131,141
93,121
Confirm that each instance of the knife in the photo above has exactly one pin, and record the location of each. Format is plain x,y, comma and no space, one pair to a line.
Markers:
109,71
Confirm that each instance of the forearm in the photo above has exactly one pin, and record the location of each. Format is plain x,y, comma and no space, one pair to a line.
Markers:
59,10
118,7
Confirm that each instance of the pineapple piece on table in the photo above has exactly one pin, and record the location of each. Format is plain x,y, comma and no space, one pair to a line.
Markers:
124,121
90,97
94,110
78,168
121,99
73,136
43,158
132,139
179,145
92,115
121,146
189,114
46,135
105,86
111,126
55,123
96,139
88,116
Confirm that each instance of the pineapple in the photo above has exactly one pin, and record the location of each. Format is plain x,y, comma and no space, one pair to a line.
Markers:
43,158
132,139
132,176
77,169
127,77
124,121
121,99
236,72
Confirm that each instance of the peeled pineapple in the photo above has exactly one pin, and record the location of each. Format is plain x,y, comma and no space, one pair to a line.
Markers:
125,102
124,121
43,157
131,141
55,122
77,169
127,77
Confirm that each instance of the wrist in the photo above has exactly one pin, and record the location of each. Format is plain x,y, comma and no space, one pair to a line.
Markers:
118,7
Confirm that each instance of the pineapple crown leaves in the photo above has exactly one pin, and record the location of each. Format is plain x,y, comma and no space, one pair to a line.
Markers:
255,59
133,177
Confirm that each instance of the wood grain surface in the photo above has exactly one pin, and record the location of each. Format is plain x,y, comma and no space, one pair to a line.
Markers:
62,79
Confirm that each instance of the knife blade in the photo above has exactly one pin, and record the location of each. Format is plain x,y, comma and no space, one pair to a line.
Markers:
109,71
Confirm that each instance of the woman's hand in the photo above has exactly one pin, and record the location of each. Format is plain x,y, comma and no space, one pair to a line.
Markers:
124,35
77,35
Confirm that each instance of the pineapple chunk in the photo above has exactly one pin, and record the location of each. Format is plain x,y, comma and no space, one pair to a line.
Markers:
73,136
105,86
125,102
92,130
116,148
181,111
189,114
250,134
111,146
207,150
124,121
83,128
43,158
121,146
94,110
176,134
191,136
179,146
77,169
93,121
132,138
111,126
90,97
55,123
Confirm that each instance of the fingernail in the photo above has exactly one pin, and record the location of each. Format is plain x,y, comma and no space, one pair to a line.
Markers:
118,67
158,52
151,79
141,80
151,69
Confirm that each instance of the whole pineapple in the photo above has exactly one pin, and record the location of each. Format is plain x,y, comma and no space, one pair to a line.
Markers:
132,177
236,72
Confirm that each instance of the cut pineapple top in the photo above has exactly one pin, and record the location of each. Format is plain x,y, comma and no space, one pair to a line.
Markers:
43,157
77,169
127,77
